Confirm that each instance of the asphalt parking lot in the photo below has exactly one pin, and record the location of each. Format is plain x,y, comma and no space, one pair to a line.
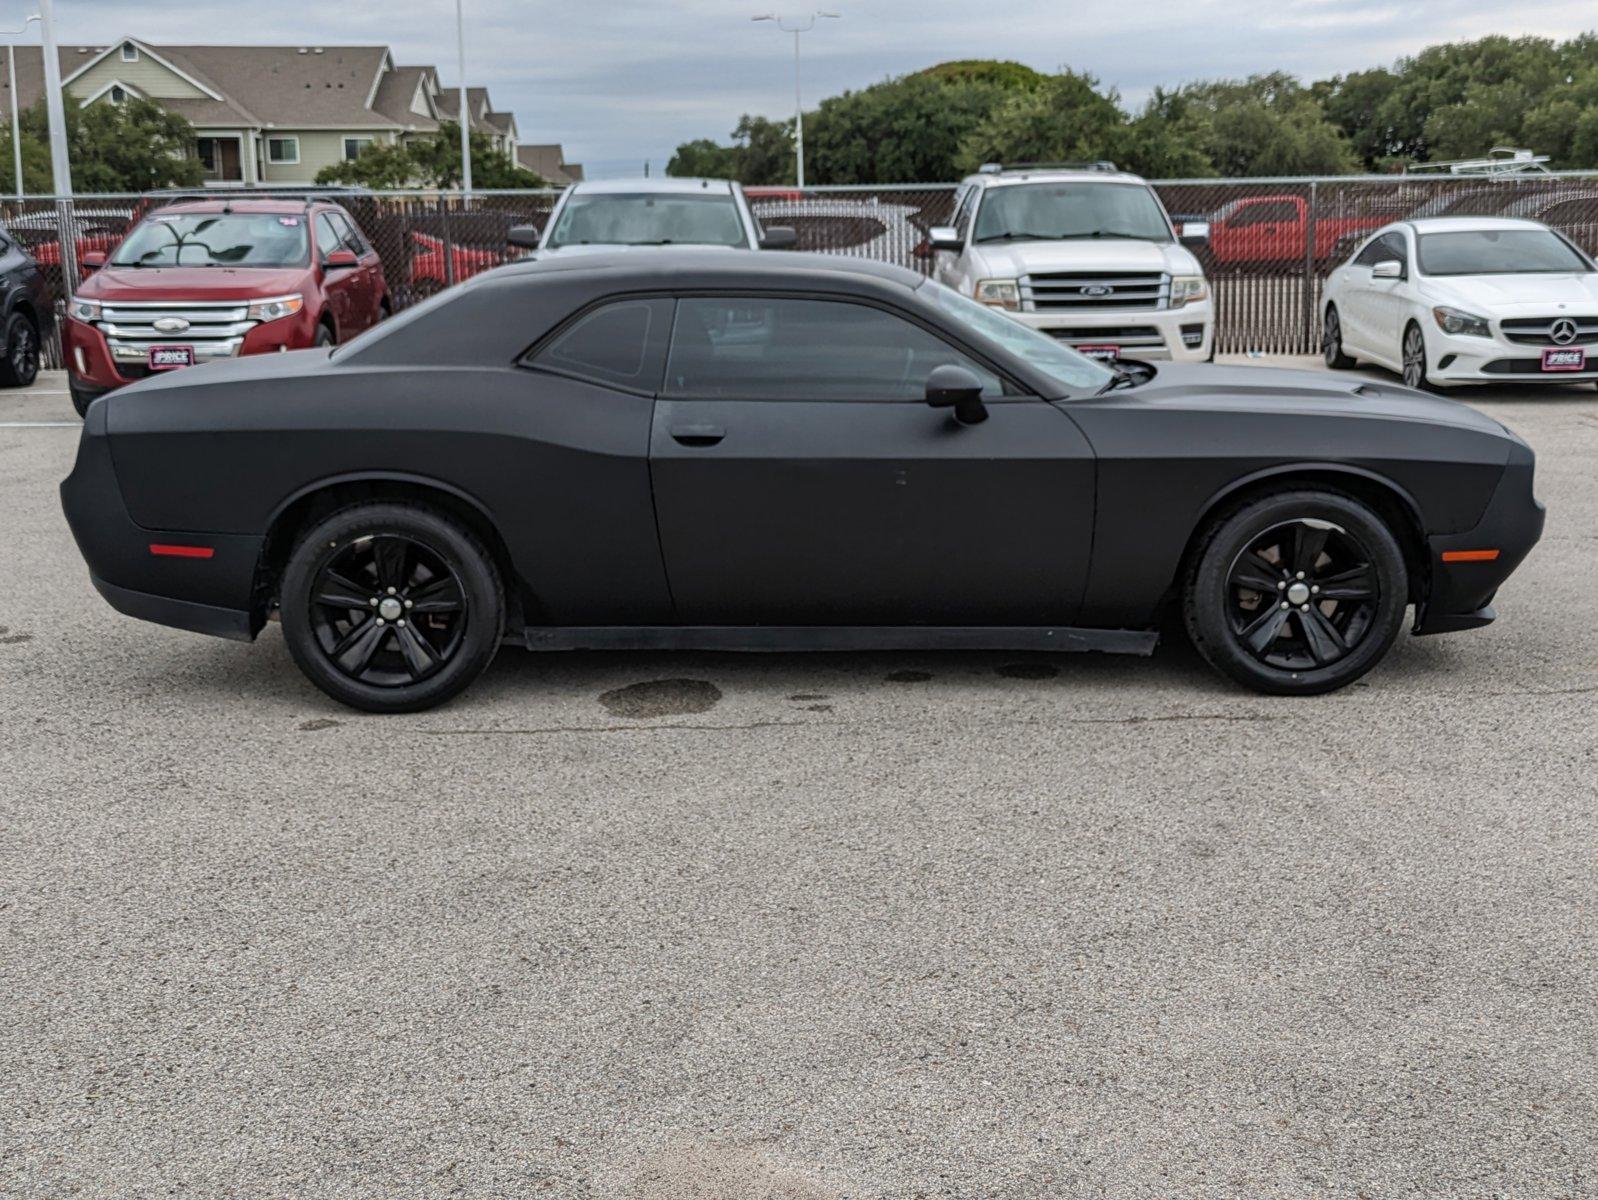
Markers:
925,925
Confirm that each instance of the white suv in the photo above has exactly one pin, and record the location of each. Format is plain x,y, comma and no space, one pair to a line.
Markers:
1084,253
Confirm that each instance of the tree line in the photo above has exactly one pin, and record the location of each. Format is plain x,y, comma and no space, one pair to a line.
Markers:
1449,101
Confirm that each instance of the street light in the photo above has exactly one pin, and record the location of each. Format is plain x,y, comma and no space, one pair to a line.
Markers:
796,28
466,136
11,79
60,170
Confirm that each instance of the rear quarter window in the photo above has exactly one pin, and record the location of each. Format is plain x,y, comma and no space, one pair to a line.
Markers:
619,344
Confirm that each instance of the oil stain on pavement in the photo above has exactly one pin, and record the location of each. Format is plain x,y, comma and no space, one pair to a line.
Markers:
661,698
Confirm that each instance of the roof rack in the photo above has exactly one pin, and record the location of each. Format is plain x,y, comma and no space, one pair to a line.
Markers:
994,168
1500,161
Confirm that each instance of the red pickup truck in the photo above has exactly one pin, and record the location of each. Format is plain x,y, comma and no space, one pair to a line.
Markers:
1271,229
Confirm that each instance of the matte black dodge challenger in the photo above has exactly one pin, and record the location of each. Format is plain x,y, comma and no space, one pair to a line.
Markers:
682,448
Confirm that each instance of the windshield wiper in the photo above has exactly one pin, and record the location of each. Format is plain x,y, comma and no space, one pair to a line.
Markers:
1118,380
1106,233
1018,235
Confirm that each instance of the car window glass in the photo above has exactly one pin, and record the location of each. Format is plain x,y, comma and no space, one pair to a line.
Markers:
622,344
351,235
1375,250
962,215
1269,212
327,236
1499,252
789,349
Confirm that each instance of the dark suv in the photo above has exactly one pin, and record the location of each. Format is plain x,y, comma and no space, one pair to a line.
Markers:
206,279
25,301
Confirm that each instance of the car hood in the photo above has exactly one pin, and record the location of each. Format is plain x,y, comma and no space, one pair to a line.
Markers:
191,283
1491,295
1010,260
1275,390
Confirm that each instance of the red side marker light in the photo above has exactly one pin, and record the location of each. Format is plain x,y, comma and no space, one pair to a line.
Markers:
166,551
1452,556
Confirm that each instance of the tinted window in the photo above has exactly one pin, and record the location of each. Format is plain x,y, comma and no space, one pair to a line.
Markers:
620,344
783,349
215,239
1051,211
1267,212
648,219
1498,252
1375,251
1054,358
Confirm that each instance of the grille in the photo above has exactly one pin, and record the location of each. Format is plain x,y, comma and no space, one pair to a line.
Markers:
1533,366
215,329
1125,336
1087,291
1534,331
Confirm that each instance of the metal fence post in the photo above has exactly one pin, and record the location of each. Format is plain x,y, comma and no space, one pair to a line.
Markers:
1311,217
449,244
67,229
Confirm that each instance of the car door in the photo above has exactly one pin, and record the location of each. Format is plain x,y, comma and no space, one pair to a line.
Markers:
338,283
800,478
366,289
1390,300
1356,300
952,267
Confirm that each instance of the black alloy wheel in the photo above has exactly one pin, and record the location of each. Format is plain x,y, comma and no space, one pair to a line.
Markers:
391,607
21,364
1332,342
1296,593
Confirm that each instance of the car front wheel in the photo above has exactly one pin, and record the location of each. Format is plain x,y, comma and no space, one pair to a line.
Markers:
1414,357
1296,593
391,607
20,366
1332,342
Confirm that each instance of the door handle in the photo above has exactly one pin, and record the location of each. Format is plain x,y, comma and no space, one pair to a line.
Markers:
697,435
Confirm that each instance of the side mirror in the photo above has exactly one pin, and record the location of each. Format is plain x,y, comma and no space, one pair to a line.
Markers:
1195,234
779,237
340,260
525,236
92,260
951,386
1388,268
945,237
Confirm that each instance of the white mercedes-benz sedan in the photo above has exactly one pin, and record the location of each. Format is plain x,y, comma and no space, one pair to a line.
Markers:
1452,300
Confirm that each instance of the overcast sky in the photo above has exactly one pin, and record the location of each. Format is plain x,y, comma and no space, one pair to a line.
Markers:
622,81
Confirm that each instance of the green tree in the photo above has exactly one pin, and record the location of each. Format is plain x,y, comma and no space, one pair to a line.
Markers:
1065,119
432,161
763,151
1357,104
1166,139
1267,125
703,159
129,147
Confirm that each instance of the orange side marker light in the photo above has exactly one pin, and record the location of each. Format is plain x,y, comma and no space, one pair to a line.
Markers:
165,551
1453,556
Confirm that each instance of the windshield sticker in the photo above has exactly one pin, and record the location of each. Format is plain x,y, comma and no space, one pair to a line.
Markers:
291,222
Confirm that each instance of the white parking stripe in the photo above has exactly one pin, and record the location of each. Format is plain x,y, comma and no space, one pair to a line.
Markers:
40,424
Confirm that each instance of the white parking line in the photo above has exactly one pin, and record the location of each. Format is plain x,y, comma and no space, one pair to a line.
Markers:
40,424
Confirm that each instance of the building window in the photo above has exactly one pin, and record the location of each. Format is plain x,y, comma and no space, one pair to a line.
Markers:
285,151
130,52
205,151
117,94
354,146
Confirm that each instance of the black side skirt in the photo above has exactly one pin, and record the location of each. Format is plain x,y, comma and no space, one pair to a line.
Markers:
784,638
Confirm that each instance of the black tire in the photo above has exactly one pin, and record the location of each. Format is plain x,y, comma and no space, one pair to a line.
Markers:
324,336
1285,641
20,365
1412,354
411,559
1332,341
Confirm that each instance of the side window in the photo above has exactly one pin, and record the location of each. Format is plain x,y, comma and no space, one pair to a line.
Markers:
1394,246
349,233
964,208
328,238
753,348
1268,212
621,344
1375,250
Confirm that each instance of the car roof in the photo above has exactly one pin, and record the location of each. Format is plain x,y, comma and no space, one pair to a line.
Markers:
241,205
1469,224
722,187
693,266
1050,175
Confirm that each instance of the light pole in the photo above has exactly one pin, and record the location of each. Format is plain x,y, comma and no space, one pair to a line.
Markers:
61,171
795,27
11,80
466,134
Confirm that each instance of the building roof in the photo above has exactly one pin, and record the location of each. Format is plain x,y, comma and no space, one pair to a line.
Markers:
397,94
549,161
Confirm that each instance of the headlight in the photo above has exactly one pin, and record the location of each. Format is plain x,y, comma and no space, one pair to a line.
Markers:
83,310
1001,293
1188,289
276,308
1452,320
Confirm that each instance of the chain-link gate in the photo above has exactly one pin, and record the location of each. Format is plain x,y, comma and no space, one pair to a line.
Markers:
1271,244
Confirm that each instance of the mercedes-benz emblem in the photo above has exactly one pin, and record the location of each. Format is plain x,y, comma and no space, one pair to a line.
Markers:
178,324
1563,331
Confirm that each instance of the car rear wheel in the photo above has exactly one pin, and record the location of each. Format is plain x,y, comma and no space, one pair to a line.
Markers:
1332,342
324,336
391,607
20,367
1296,593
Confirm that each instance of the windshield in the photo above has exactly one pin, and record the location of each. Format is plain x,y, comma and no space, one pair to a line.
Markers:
648,219
1074,371
217,240
1499,252
1051,211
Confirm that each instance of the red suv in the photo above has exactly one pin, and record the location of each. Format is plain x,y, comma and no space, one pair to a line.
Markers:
207,279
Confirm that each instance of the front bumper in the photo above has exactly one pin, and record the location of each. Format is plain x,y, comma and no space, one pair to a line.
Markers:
1452,359
97,367
214,595
1185,334
1460,592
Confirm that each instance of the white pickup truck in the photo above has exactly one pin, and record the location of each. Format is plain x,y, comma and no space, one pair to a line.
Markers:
1082,252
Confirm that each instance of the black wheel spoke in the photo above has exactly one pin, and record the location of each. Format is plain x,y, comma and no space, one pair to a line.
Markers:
354,652
1307,548
441,596
1265,629
420,658
1321,636
1254,573
1357,583
390,557
340,591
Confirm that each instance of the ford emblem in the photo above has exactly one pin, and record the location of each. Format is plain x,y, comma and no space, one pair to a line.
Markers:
170,324
1098,289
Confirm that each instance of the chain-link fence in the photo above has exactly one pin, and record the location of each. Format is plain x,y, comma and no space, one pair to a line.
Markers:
1271,244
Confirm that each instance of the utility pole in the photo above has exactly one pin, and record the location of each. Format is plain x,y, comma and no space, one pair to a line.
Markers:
61,170
466,118
796,29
